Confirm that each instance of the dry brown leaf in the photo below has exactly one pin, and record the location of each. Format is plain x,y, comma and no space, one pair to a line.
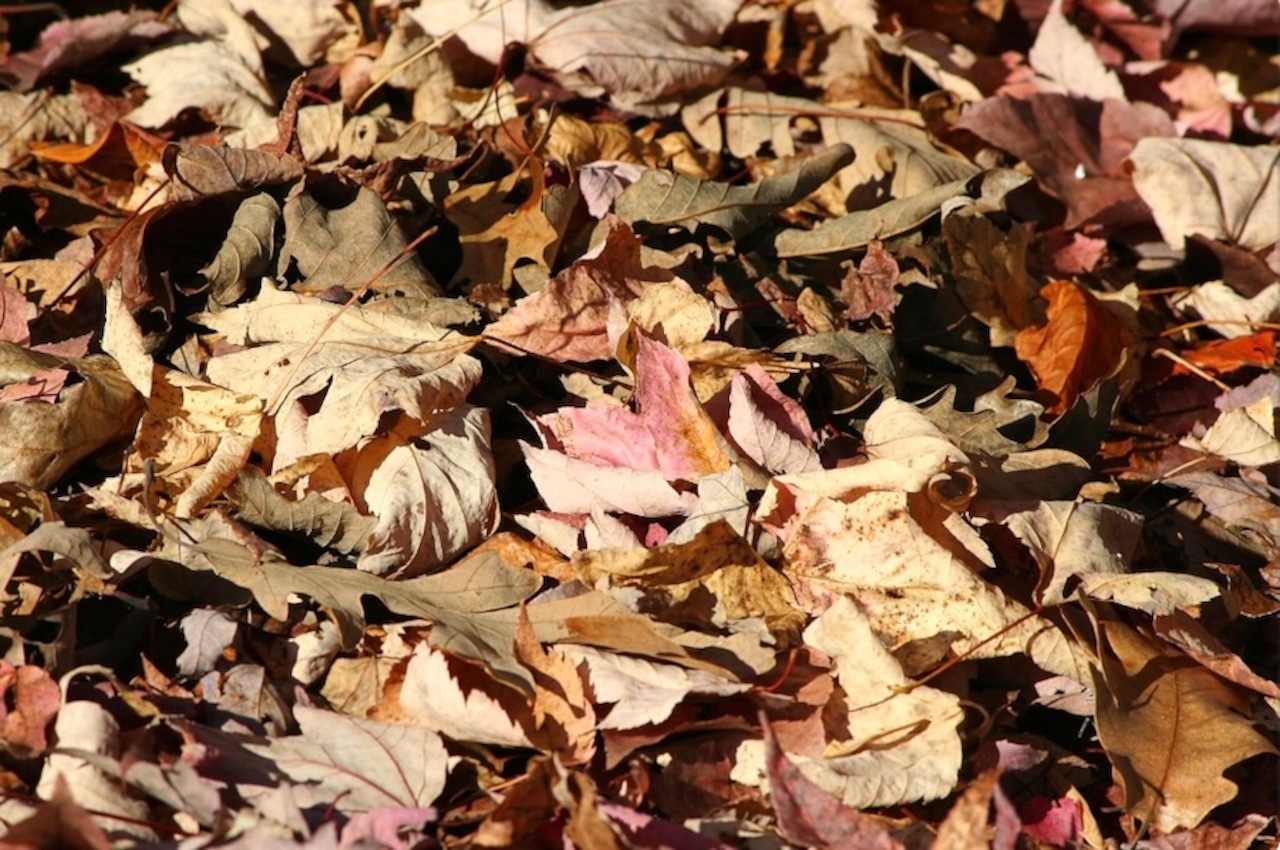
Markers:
1082,343
1170,727
564,720
713,581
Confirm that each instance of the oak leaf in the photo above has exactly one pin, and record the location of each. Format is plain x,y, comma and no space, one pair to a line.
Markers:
1170,727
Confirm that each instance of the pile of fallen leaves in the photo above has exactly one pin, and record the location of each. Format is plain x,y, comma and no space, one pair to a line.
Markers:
640,424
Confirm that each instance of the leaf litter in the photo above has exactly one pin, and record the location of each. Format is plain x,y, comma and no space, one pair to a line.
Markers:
507,425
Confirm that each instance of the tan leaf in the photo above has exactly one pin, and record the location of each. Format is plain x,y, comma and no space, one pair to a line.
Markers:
564,720
461,702
901,745
1223,191
223,75
434,499
714,580
43,441
1170,727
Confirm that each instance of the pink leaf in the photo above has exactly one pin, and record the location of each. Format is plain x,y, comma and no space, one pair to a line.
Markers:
689,446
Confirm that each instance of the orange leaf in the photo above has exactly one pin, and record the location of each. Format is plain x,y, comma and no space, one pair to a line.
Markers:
116,154
1082,343
1227,355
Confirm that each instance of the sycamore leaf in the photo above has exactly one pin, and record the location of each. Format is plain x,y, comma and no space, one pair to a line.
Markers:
1170,727
358,764
1214,189
638,58
666,199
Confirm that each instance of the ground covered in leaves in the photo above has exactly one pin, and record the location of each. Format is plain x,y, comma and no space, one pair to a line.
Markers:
640,424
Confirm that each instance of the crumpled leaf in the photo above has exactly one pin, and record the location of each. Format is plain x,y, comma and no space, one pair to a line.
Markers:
900,746
44,441
567,320
222,76
1082,343
200,170
367,365
661,198
88,751
883,533
1206,188
31,699
434,499
712,581
334,525
247,251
